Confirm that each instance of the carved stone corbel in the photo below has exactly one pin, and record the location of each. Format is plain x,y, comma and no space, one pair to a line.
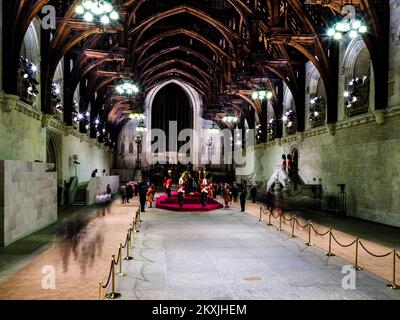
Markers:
331,128
46,120
8,101
379,117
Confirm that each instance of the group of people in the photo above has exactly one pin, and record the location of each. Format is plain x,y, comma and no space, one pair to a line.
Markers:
128,191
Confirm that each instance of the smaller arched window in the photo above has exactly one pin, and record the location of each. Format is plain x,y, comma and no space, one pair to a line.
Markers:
131,148
122,148
357,67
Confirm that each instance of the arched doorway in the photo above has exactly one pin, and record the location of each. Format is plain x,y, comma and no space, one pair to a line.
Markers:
172,104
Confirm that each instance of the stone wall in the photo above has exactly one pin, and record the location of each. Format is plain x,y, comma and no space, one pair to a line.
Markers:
98,186
91,157
28,199
394,61
22,137
362,154
24,130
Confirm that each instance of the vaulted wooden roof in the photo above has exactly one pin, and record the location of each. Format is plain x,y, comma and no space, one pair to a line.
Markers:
223,48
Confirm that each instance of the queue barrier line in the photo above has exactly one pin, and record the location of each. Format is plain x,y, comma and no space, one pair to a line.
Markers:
357,242
133,228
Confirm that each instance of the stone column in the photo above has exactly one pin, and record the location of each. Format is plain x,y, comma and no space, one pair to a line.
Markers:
1,45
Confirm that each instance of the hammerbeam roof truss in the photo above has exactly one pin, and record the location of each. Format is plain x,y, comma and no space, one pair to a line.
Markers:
203,43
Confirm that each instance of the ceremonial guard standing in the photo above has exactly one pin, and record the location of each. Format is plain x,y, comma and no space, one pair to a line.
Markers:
181,191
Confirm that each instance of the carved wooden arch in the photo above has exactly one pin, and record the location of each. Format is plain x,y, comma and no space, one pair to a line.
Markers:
145,75
240,8
145,25
146,62
212,46
203,85
161,81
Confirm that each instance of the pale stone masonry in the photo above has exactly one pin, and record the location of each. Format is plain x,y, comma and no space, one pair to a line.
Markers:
28,199
361,153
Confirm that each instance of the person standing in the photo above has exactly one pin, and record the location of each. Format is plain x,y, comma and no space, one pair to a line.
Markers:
243,198
204,192
235,192
254,193
150,195
289,166
284,163
227,195
168,184
142,195
123,194
181,191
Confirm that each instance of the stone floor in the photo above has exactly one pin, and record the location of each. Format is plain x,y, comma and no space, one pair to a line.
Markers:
229,255
219,255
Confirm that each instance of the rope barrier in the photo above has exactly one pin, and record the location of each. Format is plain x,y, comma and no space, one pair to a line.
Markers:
287,220
111,276
342,245
120,273
357,242
393,285
293,227
329,253
303,226
374,255
320,234
113,295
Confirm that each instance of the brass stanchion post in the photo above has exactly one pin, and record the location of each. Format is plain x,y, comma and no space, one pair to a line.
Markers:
269,218
356,266
113,295
309,234
260,220
293,226
130,236
393,285
100,290
128,246
329,253
120,273
280,222
137,220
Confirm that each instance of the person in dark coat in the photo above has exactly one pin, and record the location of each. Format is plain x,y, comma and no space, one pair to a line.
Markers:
235,193
243,198
143,195
254,193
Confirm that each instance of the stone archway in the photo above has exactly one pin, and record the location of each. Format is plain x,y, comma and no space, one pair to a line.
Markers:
196,104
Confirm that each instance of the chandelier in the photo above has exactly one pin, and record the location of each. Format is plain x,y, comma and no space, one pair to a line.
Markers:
350,25
97,10
127,88
214,129
137,116
141,127
261,95
230,118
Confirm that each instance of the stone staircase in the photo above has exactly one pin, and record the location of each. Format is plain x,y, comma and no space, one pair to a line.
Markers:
80,196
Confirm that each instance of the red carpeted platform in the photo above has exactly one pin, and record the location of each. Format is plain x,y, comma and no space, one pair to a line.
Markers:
191,203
